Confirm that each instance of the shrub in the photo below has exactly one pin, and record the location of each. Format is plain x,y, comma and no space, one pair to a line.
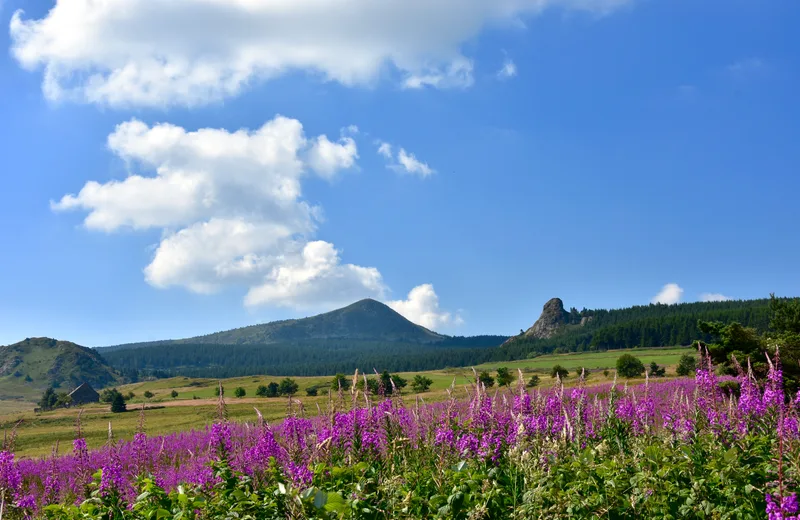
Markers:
288,387
486,379
273,390
174,394
421,383
219,389
261,391
148,394
629,366
687,365
311,391
606,372
118,404
504,377
340,380
239,392
559,371
657,371
533,381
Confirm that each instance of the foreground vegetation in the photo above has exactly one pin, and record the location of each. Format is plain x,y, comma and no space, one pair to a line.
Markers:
704,448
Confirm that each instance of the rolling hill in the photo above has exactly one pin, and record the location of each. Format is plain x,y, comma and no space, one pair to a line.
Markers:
30,366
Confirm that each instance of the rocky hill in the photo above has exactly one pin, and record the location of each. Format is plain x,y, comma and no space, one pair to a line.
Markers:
365,320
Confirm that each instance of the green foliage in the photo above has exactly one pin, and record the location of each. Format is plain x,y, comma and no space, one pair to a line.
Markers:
729,340
559,371
311,391
656,371
288,387
687,365
504,376
486,379
239,392
48,400
174,394
533,381
118,403
219,389
261,391
340,381
148,394
273,389
421,383
629,366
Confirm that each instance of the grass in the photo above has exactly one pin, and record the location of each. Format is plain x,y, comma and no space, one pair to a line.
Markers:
195,405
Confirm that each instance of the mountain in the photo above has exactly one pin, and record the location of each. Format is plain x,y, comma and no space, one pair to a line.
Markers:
552,319
30,366
365,320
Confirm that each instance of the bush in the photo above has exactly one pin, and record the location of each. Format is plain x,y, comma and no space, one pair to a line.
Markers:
559,371
273,390
174,394
533,381
657,371
239,392
606,372
311,391
261,391
687,365
148,394
504,377
219,389
421,383
288,387
118,404
340,380
629,366
129,396
486,379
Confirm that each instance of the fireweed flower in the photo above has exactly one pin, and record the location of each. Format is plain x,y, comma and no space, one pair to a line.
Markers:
220,438
782,508
10,477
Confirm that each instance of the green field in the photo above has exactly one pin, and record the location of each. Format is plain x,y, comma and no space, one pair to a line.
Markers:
195,405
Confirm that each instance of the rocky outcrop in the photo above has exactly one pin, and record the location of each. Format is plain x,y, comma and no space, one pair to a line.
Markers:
552,318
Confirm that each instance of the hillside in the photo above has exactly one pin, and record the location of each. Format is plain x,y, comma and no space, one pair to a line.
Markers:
30,366
655,325
365,320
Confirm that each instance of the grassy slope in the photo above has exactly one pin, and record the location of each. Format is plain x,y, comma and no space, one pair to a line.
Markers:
37,433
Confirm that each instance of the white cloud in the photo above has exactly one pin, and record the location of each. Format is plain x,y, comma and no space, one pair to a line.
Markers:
316,278
230,210
714,297
422,307
669,294
188,52
508,70
385,149
405,162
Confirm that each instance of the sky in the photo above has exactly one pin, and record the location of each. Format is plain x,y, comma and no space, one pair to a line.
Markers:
173,168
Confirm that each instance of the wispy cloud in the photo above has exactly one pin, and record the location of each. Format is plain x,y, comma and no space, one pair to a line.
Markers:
403,161
508,70
714,297
746,68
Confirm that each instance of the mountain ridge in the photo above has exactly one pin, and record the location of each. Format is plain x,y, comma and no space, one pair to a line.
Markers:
365,319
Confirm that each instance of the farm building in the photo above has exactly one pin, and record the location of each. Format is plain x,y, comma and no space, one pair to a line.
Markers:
84,394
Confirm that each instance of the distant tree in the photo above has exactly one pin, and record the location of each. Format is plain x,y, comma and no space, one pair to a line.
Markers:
421,383
48,400
559,371
148,394
288,387
629,366
657,371
533,381
118,403
28,378
218,389
63,400
486,379
504,376
606,372
174,394
686,365
273,390
129,396
373,386
311,391
261,391
107,395
340,380
239,392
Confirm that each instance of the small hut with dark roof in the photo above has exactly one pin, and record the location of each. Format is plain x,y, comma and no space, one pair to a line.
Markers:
84,394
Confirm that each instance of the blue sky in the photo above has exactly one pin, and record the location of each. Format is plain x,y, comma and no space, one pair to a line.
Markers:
593,150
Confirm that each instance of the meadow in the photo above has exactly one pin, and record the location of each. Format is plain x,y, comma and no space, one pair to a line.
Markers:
702,447
195,404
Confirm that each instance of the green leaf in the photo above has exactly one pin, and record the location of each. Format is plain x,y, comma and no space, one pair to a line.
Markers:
320,499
